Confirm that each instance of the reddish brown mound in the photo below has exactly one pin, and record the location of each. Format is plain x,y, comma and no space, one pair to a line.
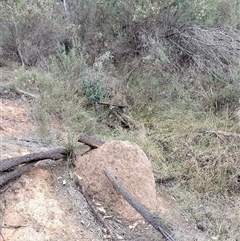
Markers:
132,167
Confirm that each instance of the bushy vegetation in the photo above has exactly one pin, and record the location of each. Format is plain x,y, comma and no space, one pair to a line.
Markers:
175,64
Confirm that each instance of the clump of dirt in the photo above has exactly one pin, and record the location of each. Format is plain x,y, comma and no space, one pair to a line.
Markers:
132,167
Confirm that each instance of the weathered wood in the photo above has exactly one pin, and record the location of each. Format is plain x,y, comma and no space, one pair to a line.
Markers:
143,210
4,178
92,206
89,140
54,154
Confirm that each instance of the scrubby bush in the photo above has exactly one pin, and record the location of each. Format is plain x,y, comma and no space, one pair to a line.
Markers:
30,30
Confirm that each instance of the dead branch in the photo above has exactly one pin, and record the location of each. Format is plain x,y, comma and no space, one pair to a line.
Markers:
163,180
92,206
89,140
4,178
224,133
27,94
54,154
112,105
143,210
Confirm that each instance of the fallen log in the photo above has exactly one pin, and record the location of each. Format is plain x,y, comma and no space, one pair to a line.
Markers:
4,178
54,154
92,206
143,210
90,141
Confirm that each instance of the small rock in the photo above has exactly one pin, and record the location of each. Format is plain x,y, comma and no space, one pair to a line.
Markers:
36,226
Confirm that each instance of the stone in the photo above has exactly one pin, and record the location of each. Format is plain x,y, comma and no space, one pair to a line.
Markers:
128,161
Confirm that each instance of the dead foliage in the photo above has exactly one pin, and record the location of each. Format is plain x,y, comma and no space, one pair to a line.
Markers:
213,50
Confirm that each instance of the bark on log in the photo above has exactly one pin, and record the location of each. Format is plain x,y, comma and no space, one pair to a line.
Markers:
4,178
54,154
89,140
92,206
143,210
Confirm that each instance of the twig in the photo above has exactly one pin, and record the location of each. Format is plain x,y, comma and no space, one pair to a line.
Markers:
162,180
26,93
224,133
14,226
92,206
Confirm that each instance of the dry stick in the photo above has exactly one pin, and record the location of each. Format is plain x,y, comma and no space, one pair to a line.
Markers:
30,95
164,180
143,210
89,140
224,133
16,173
14,226
54,154
92,206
